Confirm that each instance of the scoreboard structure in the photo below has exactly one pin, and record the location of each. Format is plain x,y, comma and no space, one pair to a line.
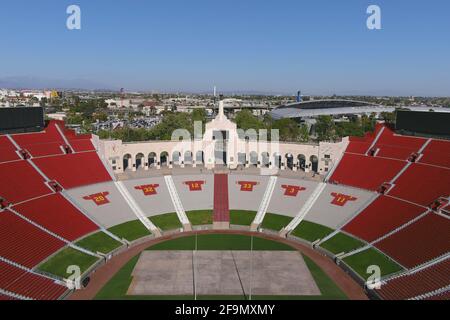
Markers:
21,120
423,122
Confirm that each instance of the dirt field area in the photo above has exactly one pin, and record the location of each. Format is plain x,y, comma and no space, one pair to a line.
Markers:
222,273
106,272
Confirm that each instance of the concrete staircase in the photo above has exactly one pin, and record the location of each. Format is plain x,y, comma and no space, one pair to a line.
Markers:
177,203
264,203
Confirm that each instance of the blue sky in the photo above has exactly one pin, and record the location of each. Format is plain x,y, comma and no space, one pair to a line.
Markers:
320,47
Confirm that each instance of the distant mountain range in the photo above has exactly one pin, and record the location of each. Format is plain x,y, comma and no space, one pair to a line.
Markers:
26,82
47,83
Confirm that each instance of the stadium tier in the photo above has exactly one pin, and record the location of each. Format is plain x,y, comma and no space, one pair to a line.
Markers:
19,181
358,146
4,297
7,150
349,213
361,145
81,145
365,172
422,184
394,152
394,146
437,152
49,142
421,282
58,215
382,216
28,285
71,171
440,296
24,243
422,241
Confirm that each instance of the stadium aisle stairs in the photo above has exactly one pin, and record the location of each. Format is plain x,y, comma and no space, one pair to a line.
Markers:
221,201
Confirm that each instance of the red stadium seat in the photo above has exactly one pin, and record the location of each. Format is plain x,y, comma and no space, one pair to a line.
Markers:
81,145
4,297
27,284
58,215
420,242
74,170
361,145
437,153
23,243
419,283
443,296
80,142
365,172
382,216
422,184
395,152
19,181
7,150
395,146
40,144
358,147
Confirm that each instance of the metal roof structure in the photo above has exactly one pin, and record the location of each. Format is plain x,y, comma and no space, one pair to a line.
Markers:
310,109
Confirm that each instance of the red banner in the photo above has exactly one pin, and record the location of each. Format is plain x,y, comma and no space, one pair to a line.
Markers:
341,199
195,185
98,198
148,189
247,185
292,191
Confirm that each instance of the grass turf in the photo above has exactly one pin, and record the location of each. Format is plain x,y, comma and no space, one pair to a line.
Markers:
342,243
328,289
99,242
58,264
311,231
275,222
220,242
168,221
242,217
200,217
130,230
117,287
360,261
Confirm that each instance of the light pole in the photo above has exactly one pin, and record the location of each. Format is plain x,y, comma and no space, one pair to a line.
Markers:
195,251
251,267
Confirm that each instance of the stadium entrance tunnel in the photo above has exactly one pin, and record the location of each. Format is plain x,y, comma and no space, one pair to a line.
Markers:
314,163
127,160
